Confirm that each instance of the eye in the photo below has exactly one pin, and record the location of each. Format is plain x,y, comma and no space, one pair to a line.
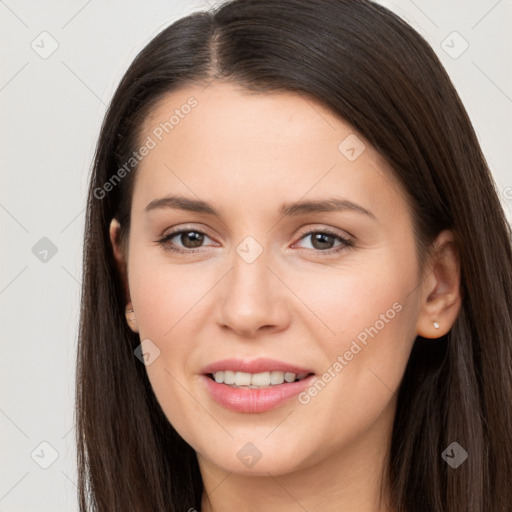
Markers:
190,238
322,241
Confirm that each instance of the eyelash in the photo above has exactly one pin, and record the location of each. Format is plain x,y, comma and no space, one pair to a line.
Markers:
345,243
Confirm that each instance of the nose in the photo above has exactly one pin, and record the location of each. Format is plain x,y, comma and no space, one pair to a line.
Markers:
253,298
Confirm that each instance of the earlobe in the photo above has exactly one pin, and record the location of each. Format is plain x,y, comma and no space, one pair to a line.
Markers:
440,297
131,319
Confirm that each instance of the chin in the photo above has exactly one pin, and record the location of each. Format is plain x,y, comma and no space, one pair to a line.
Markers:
257,459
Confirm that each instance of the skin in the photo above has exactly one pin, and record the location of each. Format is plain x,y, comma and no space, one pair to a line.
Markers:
247,154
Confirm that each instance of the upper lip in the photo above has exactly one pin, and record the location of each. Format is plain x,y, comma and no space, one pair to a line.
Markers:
254,366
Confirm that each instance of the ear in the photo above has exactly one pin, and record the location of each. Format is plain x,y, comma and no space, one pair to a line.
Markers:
120,257
440,295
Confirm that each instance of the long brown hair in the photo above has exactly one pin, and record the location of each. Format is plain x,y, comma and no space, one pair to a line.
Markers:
381,76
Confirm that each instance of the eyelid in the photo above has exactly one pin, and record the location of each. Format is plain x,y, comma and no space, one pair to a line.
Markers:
328,229
184,227
346,241
303,232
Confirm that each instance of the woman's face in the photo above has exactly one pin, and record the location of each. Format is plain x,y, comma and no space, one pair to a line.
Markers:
334,293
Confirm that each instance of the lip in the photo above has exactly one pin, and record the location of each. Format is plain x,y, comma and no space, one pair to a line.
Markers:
251,400
255,366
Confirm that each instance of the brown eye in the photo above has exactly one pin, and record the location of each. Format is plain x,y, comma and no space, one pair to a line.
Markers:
322,241
191,239
188,240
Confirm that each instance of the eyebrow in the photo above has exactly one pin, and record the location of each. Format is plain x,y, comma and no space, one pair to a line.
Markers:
332,204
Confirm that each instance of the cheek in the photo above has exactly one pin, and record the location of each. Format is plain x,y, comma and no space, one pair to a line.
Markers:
364,363
368,316
161,293
347,301
163,298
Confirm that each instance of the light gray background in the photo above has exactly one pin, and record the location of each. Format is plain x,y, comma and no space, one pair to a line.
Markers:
51,113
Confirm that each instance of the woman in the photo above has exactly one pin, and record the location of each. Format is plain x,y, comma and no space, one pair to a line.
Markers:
226,365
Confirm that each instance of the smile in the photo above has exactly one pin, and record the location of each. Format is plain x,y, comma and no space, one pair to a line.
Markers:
255,399
255,380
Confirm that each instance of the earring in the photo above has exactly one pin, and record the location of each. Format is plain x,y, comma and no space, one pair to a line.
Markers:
436,325
130,315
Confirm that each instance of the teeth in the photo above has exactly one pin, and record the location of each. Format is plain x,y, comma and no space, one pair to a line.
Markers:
276,378
229,377
256,380
242,379
289,377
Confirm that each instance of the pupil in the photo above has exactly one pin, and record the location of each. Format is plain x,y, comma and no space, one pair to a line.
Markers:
318,238
191,236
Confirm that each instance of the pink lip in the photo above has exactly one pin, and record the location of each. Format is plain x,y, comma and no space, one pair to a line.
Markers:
255,366
254,400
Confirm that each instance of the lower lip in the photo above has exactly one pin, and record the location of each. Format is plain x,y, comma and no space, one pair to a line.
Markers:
254,400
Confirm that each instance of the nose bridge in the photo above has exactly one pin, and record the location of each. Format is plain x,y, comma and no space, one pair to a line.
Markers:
250,290
249,279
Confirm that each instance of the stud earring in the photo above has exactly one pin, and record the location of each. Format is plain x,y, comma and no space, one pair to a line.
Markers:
436,325
130,315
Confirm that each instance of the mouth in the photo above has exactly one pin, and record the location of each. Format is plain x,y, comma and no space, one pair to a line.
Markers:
261,380
254,386
255,393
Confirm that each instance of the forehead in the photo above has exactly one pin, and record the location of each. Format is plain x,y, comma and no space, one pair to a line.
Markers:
226,116
226,140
